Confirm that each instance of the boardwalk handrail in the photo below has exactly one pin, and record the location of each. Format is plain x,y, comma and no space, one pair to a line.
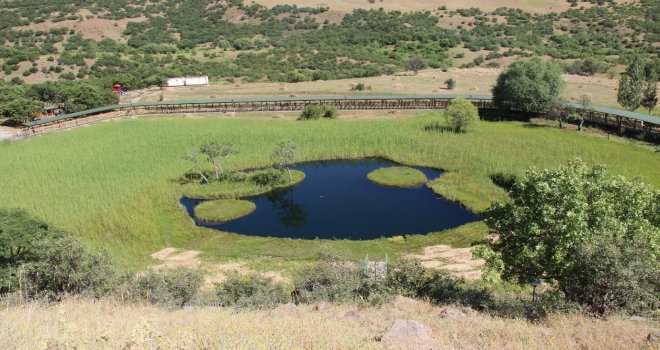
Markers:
334,98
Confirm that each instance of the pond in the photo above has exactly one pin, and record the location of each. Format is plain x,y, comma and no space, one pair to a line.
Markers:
337,201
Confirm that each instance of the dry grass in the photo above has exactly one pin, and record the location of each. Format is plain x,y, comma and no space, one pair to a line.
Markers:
475,81
111,325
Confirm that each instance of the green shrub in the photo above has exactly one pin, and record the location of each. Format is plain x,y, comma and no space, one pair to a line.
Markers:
63,266
251,291
316,111
169,287
268,177
613,275
461,115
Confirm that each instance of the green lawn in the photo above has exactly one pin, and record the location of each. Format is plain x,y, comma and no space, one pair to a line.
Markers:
115,184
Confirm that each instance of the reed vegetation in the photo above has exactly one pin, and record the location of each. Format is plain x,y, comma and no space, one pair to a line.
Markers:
117,184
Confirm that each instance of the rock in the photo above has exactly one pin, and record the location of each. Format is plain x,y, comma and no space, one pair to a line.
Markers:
321,306
452,312
409,334
637,318
653,337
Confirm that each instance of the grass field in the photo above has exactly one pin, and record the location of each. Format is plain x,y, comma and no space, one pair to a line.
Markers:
116,184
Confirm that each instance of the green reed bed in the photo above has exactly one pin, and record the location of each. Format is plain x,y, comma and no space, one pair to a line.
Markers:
116,184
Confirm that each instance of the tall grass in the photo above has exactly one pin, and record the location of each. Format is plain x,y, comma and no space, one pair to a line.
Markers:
115,184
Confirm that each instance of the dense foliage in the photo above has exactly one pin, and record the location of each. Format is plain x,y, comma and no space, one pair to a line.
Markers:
461,115
41,261
595,235
529,86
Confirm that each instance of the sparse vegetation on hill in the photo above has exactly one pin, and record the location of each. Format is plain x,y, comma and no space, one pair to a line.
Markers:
232,40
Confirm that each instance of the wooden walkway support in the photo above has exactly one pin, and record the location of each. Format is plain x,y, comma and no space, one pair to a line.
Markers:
600,116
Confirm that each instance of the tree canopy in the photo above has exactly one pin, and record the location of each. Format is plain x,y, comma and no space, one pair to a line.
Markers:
529,86
557,218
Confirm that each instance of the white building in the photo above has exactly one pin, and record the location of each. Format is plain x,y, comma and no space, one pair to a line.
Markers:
186,81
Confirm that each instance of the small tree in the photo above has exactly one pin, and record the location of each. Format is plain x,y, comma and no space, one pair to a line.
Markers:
650,93
585,106
529,86
216,153
631,85
554,215
559,111
194,158
461,114
415,63
284,154
451,84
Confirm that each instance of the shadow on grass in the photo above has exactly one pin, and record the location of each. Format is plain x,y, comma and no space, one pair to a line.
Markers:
537,126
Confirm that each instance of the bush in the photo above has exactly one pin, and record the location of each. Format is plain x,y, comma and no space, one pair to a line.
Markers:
330,279
614,275
461,114
169,287
64,266
317,111
269,177
251,291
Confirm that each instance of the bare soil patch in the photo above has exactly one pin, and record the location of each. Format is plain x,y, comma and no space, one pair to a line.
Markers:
457,261
213,273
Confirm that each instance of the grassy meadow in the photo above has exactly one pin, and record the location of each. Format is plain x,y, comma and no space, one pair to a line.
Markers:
116,184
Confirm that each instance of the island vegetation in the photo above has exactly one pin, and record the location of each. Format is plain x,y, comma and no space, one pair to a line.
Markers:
398,177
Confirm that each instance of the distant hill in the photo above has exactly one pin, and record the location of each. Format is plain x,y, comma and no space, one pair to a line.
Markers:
140,43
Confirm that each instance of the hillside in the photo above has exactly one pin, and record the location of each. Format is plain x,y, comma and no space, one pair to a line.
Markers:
139,44
106,324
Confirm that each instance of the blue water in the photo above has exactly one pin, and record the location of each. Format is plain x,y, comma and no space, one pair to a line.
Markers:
337,201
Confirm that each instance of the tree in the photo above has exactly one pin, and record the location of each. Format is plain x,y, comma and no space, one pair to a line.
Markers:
559,110
585,106
461,114
631,85
554,215
529,86
194,158
19,237
285,154
451,84
415,63
21,109
216,153
650,93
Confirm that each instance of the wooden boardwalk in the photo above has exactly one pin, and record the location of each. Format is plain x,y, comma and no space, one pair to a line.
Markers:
599,116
